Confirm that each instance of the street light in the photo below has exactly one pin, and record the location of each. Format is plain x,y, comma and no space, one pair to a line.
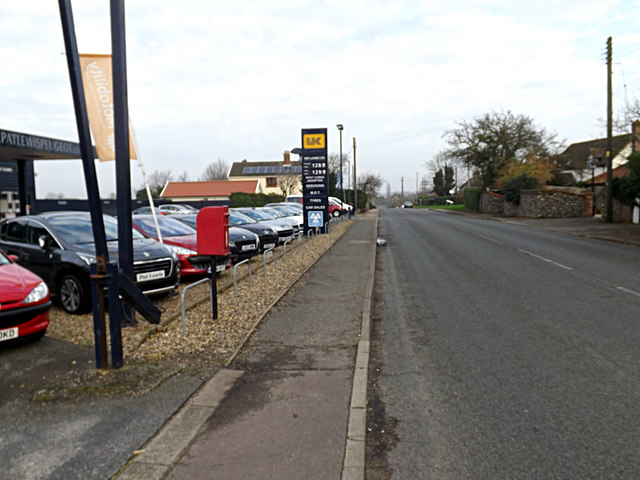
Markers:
340,127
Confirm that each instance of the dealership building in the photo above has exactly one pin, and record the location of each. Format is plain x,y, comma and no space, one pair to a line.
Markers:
17,177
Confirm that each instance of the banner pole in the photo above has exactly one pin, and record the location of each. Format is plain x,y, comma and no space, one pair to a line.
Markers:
146,183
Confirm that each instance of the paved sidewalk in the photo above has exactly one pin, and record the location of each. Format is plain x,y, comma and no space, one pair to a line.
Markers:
293,404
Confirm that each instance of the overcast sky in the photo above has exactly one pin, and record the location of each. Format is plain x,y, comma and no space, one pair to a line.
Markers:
239,80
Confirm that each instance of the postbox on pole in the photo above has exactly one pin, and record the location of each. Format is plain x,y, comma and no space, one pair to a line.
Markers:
212,225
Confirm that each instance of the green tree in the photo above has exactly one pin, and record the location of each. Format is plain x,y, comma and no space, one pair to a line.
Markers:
438,183
443,181
496,139
626,189
514,186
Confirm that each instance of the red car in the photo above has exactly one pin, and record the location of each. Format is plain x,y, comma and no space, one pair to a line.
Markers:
24,302
176,235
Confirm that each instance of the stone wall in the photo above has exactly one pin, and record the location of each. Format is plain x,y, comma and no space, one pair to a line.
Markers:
554,203
547,203
492,203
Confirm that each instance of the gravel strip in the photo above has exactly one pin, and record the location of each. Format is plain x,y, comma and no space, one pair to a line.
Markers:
209,343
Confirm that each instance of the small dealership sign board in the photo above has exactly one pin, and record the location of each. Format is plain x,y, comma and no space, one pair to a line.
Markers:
315,178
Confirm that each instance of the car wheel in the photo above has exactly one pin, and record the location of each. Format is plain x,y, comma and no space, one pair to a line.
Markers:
336,213
73,296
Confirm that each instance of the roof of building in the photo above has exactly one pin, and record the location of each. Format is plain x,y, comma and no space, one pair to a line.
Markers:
252,169
601,179
576,156
215,188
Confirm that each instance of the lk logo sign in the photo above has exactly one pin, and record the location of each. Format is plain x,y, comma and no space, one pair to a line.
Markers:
314,140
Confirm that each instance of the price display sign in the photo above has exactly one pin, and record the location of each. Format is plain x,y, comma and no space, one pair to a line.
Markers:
315,178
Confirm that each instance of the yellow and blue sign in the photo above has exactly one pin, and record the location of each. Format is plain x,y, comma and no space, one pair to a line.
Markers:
315,178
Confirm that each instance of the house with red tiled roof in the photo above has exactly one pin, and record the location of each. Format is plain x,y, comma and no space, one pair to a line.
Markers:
213,190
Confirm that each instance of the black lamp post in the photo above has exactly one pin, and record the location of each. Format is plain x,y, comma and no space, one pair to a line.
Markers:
340,127
593,163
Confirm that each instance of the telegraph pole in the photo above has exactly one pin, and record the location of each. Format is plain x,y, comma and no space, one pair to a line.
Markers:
355,182
609,190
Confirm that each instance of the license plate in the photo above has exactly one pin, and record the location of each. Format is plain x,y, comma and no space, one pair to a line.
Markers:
248,247
269,245
220,268
8,334
146,276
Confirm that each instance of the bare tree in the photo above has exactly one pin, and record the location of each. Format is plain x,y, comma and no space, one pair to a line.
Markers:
334,162
289,183
437,162
218,170
157,180
183,177
370,183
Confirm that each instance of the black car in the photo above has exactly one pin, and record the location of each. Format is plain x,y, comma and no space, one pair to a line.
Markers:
59,246
283,226
268,236
243,244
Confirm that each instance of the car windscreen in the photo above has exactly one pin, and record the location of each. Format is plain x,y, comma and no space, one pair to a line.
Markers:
190,220
274,212
169,227
288,211
77,230
4,260
237,218
258,215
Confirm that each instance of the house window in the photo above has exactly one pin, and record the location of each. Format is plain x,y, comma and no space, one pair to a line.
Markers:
272,181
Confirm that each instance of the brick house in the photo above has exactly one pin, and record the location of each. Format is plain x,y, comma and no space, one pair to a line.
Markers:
273,176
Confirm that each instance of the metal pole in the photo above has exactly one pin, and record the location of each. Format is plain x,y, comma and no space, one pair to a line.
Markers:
341,175
123,171
91,181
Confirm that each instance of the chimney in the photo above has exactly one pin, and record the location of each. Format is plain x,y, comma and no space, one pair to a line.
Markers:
635,136
287,158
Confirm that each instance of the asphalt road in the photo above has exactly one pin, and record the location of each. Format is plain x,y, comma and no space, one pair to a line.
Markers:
503,351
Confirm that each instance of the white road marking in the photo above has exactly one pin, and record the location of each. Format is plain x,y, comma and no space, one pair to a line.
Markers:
491,239
545,259
627,290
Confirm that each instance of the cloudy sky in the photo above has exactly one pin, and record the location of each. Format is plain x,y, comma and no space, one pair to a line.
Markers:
239,80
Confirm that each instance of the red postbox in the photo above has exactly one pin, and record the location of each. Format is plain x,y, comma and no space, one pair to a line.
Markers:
212,224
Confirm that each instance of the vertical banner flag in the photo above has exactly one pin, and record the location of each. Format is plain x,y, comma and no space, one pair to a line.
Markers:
97,80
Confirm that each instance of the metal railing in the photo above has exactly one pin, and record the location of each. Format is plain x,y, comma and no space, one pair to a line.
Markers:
269,251
235,268
184,292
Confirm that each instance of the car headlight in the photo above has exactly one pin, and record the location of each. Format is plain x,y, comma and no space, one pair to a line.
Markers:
182,250
40,292
87,258
232,244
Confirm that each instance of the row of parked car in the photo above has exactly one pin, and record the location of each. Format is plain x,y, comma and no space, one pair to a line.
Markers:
50,254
